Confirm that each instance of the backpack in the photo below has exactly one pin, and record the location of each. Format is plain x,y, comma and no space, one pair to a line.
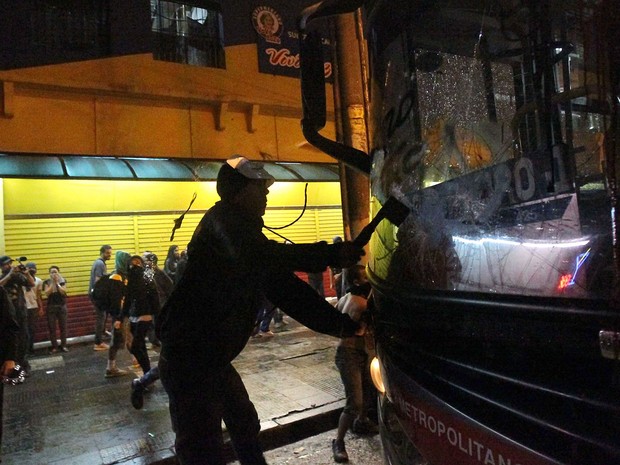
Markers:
101,292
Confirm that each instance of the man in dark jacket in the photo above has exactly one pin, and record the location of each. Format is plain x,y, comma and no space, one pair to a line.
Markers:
9,336
16,279
232,267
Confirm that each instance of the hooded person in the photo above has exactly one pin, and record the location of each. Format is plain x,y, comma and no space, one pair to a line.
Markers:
117,290
232,267
141,305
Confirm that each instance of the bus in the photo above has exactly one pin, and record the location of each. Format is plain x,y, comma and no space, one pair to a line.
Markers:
496,301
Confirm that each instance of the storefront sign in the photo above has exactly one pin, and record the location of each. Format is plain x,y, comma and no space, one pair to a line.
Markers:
278,44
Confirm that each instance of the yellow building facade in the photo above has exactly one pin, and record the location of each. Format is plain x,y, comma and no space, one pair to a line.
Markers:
138,106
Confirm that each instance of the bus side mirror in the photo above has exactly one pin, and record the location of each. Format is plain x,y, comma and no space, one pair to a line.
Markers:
313,98
312,66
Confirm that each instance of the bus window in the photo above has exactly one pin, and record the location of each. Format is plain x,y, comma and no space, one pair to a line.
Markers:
502,187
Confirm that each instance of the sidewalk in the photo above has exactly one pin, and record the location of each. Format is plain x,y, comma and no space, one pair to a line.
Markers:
67,413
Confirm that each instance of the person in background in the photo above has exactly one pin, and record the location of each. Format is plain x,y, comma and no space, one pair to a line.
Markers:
9,337
55,288
316,282
118,289
15,279
141,305
335,274
34,304
232,267
172,262
99,269
163,284
263,320
278,319
353,362
181,266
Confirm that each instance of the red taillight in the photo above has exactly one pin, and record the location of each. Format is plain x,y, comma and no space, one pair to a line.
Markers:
565,281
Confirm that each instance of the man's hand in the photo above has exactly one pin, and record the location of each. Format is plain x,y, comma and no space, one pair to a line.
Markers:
345,254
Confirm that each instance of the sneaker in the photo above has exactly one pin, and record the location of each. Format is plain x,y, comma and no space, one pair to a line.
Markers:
137,394
64,349
100,347
52,350
265,334
340,453
115,373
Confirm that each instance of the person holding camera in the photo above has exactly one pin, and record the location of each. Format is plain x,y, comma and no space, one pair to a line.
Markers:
9,336
14,280
55,288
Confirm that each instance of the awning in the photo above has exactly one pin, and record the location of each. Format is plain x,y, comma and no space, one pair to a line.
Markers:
146,169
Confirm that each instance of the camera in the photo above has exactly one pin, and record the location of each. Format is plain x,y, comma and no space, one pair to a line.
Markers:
21,266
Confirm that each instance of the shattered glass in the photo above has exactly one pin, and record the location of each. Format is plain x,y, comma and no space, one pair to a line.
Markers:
498,150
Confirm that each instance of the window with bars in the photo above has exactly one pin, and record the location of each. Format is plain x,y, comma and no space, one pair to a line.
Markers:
189,32
69,25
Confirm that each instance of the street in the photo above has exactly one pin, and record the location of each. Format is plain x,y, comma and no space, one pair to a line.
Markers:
316,450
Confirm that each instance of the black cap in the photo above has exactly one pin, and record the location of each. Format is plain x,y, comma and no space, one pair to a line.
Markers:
5,259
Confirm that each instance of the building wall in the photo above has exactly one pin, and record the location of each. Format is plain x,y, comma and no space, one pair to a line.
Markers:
137,106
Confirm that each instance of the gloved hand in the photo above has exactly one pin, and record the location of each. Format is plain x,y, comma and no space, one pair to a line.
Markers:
345,254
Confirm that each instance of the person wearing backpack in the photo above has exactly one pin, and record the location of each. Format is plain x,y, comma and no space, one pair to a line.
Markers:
98,270
117,291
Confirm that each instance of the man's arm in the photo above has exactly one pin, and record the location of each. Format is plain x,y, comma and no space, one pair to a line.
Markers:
4,281
298,300
99,269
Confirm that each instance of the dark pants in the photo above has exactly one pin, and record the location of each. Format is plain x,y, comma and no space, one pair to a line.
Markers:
353,365
33,316
57,314
199,399
139,331
265,316
21,315
117,342
100,317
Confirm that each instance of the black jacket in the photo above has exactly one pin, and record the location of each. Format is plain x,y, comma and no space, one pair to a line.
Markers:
231,268
141,296
9,329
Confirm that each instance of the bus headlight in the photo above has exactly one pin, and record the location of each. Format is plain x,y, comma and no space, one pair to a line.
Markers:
375,374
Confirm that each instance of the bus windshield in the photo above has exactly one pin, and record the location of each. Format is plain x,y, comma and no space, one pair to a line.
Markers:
495,137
